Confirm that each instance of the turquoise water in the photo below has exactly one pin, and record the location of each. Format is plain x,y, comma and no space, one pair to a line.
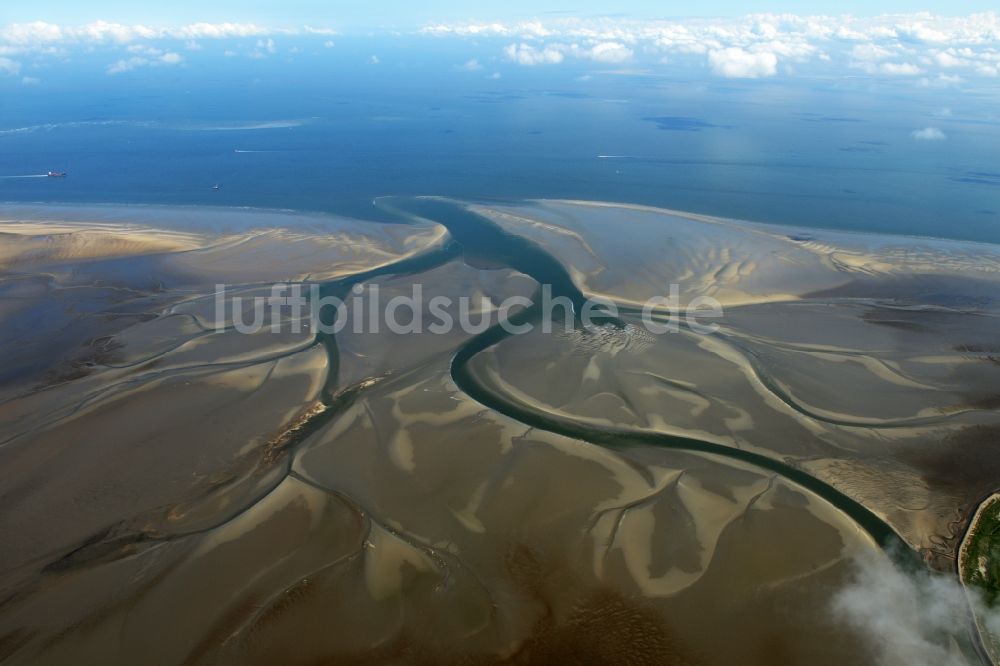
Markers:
799,151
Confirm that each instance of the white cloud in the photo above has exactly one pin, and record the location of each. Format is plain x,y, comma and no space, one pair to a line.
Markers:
9,67
901,614
444,30
523,29
870,52
610,52
31,33
31,81
551,54
142,49
216,31
922,33
310,30
525,54
100,31
947,59
374,60
135,62
126,65
941,81
899,69
922,46
735,63
752,46
329,44
36,33
928,134
471,66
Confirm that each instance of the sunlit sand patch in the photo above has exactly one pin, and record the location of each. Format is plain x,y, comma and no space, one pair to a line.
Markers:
282,255
704,257
370,351
38,243
68,287
733,262
200,234
674,384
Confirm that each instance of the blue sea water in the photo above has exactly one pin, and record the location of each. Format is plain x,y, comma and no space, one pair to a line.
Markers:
328,130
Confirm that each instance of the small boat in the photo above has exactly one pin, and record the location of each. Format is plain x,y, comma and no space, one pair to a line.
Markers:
56,174
216,187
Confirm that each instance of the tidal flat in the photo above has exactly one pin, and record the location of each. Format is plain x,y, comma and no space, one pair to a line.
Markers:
176,490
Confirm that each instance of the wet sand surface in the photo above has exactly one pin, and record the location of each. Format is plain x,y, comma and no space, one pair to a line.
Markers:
176,491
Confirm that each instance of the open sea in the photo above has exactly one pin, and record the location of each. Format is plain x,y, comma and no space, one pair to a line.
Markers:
327,132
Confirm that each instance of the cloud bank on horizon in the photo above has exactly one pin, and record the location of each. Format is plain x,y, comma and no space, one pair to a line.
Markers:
927,49
755,46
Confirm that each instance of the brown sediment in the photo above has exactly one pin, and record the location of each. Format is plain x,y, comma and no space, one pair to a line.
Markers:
287,499
605,627
978,349
961,461
599,626
896,319
96,351
107,546
960,468
985,353
13,641
277,448
986,401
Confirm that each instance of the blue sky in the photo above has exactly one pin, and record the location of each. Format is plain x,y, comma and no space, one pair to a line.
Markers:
407,13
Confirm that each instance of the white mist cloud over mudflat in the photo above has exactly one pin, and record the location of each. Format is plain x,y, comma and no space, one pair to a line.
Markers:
908,618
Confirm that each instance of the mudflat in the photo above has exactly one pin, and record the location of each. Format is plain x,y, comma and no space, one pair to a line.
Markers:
176,485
